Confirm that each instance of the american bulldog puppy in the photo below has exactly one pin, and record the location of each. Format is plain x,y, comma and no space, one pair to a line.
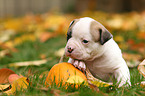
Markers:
91,45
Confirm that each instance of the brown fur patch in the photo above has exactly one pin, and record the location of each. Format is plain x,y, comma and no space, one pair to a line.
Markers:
99,32
69,32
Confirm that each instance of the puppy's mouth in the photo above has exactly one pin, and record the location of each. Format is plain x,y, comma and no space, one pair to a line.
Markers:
74,57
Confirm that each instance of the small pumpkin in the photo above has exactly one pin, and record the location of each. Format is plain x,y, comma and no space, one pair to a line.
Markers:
65,74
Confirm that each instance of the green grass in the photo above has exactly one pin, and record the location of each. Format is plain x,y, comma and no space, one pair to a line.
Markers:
29,51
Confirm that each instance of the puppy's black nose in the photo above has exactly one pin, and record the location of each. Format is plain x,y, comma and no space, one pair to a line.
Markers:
69,49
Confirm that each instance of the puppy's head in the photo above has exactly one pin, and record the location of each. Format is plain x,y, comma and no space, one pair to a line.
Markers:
85,39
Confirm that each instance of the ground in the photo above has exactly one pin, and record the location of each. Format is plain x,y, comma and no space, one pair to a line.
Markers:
42,37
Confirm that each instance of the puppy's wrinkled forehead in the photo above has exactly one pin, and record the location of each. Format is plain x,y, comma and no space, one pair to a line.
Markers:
78,26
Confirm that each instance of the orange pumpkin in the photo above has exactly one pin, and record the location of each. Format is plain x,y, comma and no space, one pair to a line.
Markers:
65,74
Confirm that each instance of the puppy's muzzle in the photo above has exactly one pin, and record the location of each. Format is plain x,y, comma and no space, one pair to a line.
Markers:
70,50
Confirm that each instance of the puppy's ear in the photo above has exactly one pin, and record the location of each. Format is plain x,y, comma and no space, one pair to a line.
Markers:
105,35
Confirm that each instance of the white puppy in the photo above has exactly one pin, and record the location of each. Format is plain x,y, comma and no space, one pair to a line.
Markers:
90,44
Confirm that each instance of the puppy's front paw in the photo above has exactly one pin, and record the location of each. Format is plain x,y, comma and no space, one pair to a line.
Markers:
80,65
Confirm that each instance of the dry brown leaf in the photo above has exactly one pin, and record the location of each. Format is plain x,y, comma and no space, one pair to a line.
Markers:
141,68
4,74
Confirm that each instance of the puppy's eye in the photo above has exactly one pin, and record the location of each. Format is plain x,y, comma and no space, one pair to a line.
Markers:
85,41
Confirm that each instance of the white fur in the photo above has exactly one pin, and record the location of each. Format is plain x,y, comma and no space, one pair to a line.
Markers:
104,61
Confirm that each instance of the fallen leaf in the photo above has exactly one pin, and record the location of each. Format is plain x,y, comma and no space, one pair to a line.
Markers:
94,82
6,47
27,63
141,68
4,74
130,41
6,89
13,77
45,36
116,22
141,35
56,92
20,40
142,84
6,35
60,52
43,89
14,24
20,84
42,56
3,53
132,57
118,38
131,64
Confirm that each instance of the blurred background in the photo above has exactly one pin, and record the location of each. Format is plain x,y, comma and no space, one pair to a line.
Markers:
33,36
22,7
36,29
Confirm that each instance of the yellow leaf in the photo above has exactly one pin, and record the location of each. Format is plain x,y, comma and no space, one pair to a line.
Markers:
20,84
119,38
20,40
15,24
116,22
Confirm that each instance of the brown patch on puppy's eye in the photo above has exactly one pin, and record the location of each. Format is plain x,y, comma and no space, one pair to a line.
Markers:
69,35
69,32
